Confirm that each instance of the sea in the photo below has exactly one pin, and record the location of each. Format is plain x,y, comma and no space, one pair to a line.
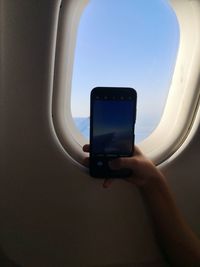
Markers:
142,129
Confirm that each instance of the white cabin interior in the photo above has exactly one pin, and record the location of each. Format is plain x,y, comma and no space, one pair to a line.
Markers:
52,213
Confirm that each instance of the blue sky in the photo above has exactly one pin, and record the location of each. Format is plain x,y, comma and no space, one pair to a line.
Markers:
126,43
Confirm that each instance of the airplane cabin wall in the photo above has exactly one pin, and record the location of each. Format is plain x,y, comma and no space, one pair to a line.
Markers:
51,212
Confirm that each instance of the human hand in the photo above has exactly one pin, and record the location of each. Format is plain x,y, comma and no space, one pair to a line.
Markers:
144,172
107,182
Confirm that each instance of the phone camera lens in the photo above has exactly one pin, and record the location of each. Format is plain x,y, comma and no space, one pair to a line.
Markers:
99,163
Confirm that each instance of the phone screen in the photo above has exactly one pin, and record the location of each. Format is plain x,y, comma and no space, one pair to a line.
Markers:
112,121
113,127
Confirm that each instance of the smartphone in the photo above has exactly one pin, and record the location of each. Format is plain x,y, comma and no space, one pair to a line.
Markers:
112,124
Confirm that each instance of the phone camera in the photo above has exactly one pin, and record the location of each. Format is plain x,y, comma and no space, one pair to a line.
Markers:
99,163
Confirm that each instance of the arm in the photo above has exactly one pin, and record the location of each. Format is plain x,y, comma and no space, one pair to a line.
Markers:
175,237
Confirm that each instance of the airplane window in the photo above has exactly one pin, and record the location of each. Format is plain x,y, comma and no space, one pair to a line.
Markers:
152,46
125,43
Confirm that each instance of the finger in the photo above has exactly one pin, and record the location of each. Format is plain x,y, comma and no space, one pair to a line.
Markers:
126,162
114,164
86,148
131,180
107,183
137,151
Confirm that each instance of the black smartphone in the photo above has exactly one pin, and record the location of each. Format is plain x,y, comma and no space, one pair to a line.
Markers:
112,123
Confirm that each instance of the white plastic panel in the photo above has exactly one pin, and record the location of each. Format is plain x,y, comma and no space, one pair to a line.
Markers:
183,94
182,102
52,213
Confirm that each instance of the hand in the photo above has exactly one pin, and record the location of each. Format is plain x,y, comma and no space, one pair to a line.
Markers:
86,148
144,172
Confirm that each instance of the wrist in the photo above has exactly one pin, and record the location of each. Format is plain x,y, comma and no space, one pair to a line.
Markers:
154,184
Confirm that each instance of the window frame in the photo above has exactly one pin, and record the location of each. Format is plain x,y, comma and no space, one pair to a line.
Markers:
183,98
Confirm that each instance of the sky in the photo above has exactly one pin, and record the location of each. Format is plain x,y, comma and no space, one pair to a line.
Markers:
128,43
